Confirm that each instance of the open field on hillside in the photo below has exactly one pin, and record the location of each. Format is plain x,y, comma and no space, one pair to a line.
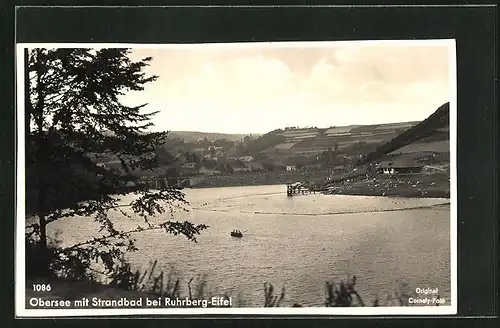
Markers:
436,147
314,140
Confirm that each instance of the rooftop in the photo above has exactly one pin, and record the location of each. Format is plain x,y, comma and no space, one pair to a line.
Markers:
399,163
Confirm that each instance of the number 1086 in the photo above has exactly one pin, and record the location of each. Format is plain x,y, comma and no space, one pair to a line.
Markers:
41,288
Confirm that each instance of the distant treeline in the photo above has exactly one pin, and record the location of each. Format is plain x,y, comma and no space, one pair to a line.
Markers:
261,178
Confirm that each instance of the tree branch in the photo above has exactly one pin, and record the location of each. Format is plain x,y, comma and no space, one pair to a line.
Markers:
174,228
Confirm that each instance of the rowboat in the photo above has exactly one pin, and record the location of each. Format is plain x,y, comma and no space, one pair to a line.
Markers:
237,234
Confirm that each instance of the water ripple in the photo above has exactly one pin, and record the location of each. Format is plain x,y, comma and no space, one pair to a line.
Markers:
298,243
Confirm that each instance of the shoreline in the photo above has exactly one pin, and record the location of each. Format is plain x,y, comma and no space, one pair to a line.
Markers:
433,185
409,186
256,178
395,193
403,193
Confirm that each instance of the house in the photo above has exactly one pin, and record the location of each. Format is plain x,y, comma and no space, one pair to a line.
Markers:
399,166
199,151
246,158
189,164
181,159
210,157
338,168
241,169
291,168
206,171
312,167
255,166
235,165
224,168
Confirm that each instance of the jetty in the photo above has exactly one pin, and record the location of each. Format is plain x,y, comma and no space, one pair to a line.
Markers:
298,188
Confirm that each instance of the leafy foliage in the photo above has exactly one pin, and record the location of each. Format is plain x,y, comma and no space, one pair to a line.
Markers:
252,146
271,300
342,295
164,284
74,111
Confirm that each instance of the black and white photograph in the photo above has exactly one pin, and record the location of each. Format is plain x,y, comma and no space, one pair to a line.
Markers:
236,178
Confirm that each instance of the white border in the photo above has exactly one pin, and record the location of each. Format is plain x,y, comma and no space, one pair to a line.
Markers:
20,288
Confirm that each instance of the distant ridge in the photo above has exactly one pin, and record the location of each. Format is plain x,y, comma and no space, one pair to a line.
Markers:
375,140
193,136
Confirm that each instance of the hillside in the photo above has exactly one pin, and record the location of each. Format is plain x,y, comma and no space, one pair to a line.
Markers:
312,148
430,135
193,136
311,141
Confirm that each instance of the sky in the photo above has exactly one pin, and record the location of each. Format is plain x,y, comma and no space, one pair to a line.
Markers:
257,88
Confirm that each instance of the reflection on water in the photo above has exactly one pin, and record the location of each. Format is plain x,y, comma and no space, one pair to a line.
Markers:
299,242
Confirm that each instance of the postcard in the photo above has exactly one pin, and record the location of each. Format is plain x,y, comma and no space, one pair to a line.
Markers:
279,178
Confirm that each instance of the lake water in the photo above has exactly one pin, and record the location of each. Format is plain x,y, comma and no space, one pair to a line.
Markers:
297,242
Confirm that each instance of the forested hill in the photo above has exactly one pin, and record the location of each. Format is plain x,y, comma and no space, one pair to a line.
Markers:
424,130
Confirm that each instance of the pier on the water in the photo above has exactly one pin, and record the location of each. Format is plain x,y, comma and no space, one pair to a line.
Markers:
298,188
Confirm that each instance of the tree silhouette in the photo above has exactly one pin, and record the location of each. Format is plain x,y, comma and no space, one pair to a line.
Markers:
336,148
73,112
